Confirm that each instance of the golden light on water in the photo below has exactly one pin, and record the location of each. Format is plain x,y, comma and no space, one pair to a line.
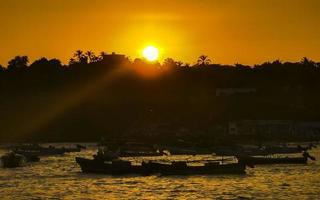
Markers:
151,53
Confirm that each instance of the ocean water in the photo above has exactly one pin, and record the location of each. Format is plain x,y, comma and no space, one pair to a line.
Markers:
59,177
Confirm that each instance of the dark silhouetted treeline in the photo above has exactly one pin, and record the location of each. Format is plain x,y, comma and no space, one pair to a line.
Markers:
109,95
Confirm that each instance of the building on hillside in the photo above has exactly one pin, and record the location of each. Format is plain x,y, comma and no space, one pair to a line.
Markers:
114,58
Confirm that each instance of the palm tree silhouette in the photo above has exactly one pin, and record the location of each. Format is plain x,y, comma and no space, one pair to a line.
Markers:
91,56
307,62
72,61
79,55
204,60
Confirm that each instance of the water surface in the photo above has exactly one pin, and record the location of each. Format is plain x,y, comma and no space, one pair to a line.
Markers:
59,177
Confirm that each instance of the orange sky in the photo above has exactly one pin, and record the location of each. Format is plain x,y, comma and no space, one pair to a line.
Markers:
229,31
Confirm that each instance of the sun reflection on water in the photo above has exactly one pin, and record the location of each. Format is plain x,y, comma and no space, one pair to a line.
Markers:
60,178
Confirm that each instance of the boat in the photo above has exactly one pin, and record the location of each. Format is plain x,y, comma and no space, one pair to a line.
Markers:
115,167
259,150
188,151
77,148
132,149
239,150
120,167
38,150
135,149
31,156
254,160
140,153
210,168
12,160
285,149
41,152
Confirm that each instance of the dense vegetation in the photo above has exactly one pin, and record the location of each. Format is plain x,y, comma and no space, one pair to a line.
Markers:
114,97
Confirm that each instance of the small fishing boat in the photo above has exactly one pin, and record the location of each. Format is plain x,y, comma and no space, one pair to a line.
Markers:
31,156
12,160
285,149
119,167
188,151
259,150
77,148
133,149
38,150
255,160
183,168
115,167
140,153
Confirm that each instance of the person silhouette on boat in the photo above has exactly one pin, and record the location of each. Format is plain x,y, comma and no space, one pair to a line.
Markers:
100,153
105,154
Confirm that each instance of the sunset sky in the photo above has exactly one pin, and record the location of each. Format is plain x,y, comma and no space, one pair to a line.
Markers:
228,31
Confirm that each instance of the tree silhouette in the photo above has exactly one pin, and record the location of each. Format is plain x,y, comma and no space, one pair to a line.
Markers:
203,60
72,61
78,54
92,57
169,62
46,66
2,69
307,62
19,62
80,57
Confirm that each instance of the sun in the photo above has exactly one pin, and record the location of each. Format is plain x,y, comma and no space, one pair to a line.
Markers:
150,53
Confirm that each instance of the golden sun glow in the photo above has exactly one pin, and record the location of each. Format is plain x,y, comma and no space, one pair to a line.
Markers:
151,53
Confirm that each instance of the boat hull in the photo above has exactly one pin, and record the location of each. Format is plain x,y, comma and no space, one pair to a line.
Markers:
205,170
41,152
100,167
93,166
139,154
12,161
267,161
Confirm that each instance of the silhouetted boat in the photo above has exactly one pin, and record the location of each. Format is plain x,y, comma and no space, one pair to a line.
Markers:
12,160
252,160
285,149
258,151
133,149
30,156
37,150
41,152
119,167
140,153
77,148
188,151
116,167
182,168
